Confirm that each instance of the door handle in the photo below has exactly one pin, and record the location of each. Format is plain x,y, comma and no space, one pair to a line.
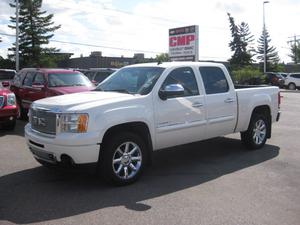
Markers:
197,104
229,100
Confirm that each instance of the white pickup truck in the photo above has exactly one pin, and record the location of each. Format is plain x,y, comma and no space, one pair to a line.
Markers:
145,107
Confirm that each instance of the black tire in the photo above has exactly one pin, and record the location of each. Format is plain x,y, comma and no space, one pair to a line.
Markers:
292,86
253,138
10,125
108,169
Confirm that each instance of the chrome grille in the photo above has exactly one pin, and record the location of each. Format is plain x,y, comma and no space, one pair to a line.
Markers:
43,121
1,101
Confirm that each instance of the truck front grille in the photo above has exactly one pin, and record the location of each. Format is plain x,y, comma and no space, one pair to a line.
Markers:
1,101
43,121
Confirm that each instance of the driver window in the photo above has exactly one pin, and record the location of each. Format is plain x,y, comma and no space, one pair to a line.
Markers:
184,76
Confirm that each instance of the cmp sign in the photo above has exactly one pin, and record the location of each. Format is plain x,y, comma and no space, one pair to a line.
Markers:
183,43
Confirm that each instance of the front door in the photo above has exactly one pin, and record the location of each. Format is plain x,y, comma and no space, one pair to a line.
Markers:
180,119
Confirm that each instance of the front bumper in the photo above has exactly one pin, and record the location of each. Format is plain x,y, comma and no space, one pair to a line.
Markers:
51,149
8,113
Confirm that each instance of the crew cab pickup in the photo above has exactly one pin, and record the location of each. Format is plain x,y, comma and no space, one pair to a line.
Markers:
145,107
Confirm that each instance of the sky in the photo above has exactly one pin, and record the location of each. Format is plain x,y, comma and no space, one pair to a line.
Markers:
119,27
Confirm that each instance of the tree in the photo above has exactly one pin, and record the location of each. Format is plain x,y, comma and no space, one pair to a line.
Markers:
163,57
240,43
295,52
35,28
272,58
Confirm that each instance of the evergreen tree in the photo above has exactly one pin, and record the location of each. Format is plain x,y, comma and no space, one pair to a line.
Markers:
35,28
272,58
295,52
240,43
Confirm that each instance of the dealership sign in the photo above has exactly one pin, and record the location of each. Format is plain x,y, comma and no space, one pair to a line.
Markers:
183,43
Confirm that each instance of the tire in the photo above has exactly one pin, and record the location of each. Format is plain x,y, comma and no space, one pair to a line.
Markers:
256,135
123,158
292,86
10,125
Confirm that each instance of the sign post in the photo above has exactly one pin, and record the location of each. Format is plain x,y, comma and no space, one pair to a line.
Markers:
184,43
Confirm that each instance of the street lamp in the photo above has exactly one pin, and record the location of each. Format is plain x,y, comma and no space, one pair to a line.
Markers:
264,33
17,35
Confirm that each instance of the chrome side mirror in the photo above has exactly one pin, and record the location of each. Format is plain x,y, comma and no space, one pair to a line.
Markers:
171,91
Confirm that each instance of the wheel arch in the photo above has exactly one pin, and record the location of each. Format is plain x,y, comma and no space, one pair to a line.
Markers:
138,127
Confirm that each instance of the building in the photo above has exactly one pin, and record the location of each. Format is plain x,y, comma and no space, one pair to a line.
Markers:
96,60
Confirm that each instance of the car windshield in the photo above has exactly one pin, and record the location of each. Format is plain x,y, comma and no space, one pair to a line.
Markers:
7,75
67,80
132,80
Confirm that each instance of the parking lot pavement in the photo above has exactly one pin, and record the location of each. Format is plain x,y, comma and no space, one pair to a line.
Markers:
211,182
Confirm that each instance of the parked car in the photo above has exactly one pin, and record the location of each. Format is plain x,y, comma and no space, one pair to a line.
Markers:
284,75
274,79
8,108
146,107
6,77
32,84
292,81
97,75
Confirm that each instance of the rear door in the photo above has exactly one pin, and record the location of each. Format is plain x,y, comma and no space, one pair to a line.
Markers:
221,101
180,119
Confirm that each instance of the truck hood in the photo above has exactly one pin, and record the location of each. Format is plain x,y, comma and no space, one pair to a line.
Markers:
84,99
70,90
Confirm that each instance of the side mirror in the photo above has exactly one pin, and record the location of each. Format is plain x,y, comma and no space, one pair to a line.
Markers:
37,85
5,84
172,90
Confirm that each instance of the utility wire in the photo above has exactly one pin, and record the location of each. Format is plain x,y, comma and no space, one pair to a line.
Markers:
93,45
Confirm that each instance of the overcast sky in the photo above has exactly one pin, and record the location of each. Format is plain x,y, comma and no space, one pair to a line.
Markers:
142,25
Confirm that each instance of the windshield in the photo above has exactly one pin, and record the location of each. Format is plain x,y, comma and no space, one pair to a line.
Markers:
132,80
68,79
7,75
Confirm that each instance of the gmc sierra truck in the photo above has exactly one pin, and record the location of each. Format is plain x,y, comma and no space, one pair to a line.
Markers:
145,107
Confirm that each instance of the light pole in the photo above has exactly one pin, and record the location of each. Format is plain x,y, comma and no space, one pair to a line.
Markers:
264,33
17,35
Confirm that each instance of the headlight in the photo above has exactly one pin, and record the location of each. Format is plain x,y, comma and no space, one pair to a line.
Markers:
73,123
11,99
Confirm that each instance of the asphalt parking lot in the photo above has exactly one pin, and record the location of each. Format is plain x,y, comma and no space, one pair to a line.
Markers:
212,182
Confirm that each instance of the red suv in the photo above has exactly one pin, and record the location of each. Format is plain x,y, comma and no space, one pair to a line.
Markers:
8,108
33,84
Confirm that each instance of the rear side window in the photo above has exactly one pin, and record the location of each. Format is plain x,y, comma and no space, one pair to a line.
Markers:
28,79
214,80
186,77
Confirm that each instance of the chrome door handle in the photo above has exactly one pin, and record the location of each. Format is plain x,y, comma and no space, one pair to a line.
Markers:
229,100
197,104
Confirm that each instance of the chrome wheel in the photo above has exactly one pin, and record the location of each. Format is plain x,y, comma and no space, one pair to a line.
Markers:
259,132
127,160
